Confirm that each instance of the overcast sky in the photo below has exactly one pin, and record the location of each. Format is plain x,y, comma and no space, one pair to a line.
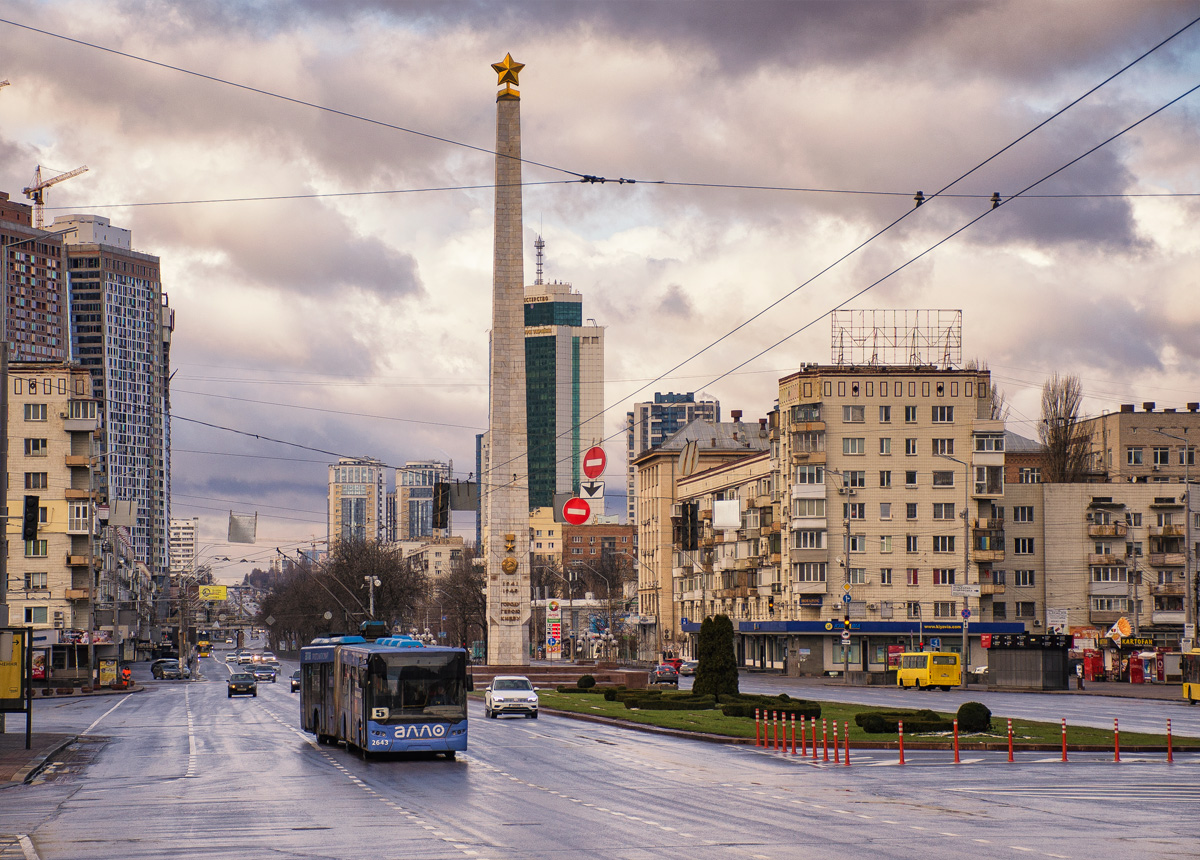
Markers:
358,324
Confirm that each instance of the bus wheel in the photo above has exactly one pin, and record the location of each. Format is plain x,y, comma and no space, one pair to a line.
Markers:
450,755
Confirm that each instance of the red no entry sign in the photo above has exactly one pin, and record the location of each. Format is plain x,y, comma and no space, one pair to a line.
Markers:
594,462
577,512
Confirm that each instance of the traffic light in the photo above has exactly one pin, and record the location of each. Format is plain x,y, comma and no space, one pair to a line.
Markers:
441,505
771,604
846,623
29,522
691,526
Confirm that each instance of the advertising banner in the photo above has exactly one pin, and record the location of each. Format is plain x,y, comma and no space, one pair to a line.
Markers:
554,630
12,670
213,593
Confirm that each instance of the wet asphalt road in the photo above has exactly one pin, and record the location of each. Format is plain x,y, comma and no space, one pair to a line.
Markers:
181,771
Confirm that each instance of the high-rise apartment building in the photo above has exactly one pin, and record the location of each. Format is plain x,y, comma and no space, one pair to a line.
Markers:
34,267
182,544
357,500
414,497
652,423
120,332
564,399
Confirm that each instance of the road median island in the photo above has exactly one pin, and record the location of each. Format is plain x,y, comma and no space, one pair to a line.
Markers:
713,724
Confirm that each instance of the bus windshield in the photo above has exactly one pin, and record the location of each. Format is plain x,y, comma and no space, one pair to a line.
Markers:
417,686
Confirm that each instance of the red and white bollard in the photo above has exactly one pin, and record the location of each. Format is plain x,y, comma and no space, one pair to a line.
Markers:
1064,738
1010,756
846,741
837,759
794,734
1116,740
803,737
1170,752
757,722
774,730
825,736
900,726
956,742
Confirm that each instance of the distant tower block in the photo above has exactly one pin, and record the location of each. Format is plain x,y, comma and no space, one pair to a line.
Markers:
505,481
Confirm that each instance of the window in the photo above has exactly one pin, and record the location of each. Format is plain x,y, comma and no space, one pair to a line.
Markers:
36,481
82,409
943,510
1109,574
910,510
35,581
943,414
808,441
910,447
885,415
1026,609
1160,456
1023,578
856,479
1164,519
943,479
812,571
1103,547
1023,513
1133,456
808,507
885,576
999,612
577,539
857,575
945,609
912,576
854,510
35,448
35,614
35,549
576,550
985,443
1110,604
885,480
854,445
858,543
943,576
910,414
885,510
910,543
910,478
854,414
810,474
885,543
943,446
35,411
885,445
1023,546
943,543
1029,475
1187,456
809,539
913,609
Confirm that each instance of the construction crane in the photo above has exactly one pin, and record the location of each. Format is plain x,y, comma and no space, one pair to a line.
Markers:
37,191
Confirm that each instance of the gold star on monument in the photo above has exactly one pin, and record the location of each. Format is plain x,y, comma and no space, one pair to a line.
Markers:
508,70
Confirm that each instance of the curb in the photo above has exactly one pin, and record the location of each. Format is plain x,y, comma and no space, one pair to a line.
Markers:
31,770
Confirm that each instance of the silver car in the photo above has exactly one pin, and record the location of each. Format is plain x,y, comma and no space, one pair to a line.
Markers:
510,694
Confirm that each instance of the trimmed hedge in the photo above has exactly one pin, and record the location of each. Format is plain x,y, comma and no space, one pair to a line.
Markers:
671,703
974,717
586,682
888,722
744,705
595,691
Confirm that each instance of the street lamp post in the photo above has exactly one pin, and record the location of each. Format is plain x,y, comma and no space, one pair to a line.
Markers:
966,620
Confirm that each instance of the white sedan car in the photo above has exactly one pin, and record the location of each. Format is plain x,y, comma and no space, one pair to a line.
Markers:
510,694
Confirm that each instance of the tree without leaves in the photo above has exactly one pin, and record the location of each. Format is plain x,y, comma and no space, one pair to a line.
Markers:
1065,441
463,599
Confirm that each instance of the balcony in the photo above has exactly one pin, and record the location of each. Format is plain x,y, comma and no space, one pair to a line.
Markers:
78,593
1162,616
1167,559
1105,559
809,587
1110,530
992,524
987,555
991,588
1167,588
812,458
740,592
775,558
806,427
74,495
1104,619
1171,530
745,563
81,561
78,460
763,500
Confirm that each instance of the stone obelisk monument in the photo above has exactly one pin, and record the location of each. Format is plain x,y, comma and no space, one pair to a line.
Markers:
505,481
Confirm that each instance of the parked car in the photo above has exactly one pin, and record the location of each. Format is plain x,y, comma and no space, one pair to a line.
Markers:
688,667
664,674
263,672
673,662
296,681
167,670
510,694
242,684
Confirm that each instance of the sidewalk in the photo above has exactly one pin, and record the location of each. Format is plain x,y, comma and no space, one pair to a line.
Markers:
18,764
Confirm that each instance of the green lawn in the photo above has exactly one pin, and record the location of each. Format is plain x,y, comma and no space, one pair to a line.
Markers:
1025,732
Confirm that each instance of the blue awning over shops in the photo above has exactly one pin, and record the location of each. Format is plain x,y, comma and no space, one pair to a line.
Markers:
930,628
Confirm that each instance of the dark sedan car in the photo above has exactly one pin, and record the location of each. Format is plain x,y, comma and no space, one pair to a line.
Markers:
664,674
242,684
295,680
264,672
166,670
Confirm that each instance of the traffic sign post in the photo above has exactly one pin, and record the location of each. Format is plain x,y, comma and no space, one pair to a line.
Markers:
577,512
846,599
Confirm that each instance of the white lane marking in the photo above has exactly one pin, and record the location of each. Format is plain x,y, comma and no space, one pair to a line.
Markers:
27,847
102,716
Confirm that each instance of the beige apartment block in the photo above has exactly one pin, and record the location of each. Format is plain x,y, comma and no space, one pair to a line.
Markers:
52,421
696,448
